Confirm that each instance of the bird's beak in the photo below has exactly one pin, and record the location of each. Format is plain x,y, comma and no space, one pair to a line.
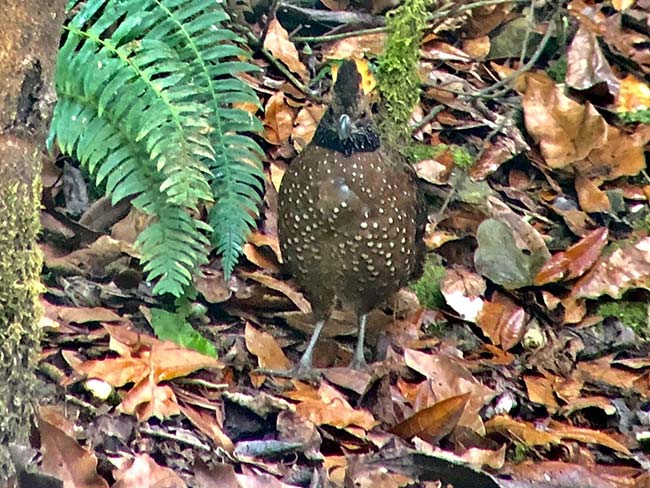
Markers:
344,127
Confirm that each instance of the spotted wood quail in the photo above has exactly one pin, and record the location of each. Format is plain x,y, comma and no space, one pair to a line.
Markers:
350,217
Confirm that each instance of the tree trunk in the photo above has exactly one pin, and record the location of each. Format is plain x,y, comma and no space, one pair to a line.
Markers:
29,40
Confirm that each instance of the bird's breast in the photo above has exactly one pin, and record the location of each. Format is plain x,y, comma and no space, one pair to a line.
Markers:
347,223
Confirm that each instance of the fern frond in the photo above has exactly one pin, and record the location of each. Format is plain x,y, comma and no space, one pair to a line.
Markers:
237,183
172,248
148,102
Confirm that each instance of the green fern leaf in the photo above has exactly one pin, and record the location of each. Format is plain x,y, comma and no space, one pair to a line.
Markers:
147,102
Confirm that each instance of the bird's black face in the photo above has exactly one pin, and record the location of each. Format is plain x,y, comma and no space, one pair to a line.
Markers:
347,125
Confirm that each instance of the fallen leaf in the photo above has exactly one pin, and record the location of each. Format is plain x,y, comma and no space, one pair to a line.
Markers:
565,130
148,399
64,458
144,471
278,120
326,406
278,43
576,260
434,422
264,346
625,268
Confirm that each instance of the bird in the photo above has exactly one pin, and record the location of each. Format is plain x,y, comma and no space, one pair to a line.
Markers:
350,215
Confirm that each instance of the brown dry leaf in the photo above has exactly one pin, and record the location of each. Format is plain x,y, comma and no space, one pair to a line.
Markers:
603,403
55,416
433,170
438,50
576,260
219,475
574,310
278,43
336,467
625,268
278,120
565,130
283,287
587,65
463,292
327,406
114,371
81,315
540,390
633,95
171,361
209,425
519,431
65,459
478,48
589,436
502,321
557,473
621,155
277,169
450,378
601,371
148,399
259,239
350,379
212,285
305,125
129,228
144,471
591,198
95,261
480,458
255,479
143,355
259,259
264,346
355,46
434,422
361,476
629,42
554,433
622,4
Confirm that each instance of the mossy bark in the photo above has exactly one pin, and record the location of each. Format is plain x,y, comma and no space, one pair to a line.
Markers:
28,44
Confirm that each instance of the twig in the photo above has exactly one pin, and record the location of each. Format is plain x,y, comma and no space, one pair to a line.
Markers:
254,41
428,118
181,440
491,91
332,17
341,35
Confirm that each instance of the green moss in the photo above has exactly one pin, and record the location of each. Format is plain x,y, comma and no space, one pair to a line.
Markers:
640,220
419,151
520,453
557,71
397,76
633,314
427,288
20,266
462,157
638,116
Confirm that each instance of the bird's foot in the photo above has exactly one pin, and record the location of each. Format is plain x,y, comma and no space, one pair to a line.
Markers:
306,373
359,363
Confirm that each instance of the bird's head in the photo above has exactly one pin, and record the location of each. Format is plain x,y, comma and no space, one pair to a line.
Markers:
347,125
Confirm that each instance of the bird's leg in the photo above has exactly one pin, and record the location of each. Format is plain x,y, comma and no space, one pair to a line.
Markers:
304,365
359,360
